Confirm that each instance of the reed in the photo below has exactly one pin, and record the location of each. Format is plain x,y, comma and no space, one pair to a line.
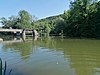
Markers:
3,70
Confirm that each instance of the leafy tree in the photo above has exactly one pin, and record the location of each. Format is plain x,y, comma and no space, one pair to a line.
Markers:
22,21
78,19
25,19
60,25
4,22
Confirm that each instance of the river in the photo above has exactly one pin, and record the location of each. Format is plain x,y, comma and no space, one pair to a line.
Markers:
52,56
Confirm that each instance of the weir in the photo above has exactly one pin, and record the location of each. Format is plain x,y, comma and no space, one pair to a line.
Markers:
21,32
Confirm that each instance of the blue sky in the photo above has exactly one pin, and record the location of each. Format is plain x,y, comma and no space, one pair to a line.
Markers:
39,8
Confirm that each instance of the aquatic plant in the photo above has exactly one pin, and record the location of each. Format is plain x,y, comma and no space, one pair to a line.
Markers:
3,70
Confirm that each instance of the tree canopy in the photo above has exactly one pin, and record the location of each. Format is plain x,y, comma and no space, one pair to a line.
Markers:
22,21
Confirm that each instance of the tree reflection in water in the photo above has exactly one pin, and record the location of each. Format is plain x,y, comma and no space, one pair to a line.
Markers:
83,54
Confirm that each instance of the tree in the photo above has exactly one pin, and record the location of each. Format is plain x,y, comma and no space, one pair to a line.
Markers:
60,25
4,22
25,19
22,21
78,18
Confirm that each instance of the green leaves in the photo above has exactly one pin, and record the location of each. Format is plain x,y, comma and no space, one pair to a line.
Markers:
82,19
22,21
25,19
0,66
5,68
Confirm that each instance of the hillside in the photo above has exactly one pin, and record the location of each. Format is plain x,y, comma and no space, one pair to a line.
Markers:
48,24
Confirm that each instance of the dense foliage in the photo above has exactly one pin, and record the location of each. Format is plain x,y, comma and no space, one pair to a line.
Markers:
51,25
22,21
81,20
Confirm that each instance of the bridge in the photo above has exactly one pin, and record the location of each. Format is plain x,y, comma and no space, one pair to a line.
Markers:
11,30
20,31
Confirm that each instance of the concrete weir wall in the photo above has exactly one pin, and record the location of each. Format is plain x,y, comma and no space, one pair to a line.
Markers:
20,31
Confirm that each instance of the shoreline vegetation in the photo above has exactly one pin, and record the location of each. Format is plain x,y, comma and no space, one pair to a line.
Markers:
82,20
3,70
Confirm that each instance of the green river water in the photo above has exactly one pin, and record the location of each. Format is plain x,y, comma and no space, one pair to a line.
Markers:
52,56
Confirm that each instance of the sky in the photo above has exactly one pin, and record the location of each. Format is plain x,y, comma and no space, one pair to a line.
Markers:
39,8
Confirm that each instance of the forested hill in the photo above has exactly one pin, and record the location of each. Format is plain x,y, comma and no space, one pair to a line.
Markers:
48,24
50,18
82,20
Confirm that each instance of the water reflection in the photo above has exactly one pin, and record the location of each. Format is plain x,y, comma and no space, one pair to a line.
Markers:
24,47
57,55
84,55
